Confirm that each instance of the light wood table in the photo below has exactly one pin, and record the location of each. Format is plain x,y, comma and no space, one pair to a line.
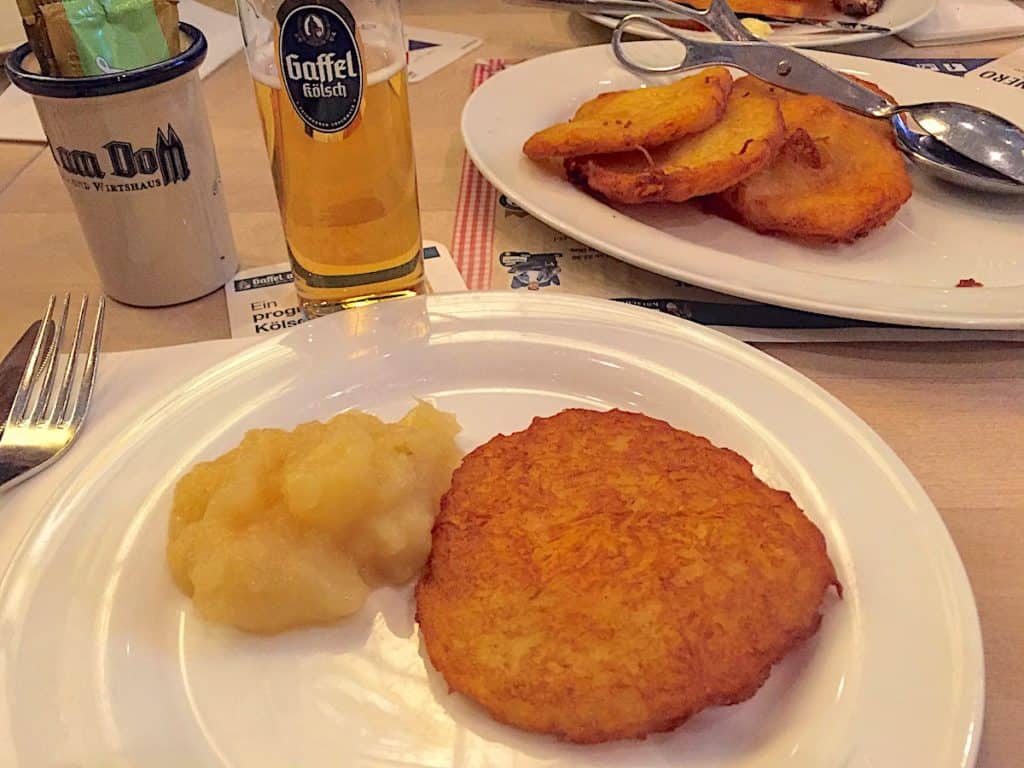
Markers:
953,412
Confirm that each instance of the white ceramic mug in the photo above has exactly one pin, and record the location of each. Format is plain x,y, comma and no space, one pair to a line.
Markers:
135,152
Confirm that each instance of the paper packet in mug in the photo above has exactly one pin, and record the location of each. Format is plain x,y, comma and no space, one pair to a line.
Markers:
95,37
35,32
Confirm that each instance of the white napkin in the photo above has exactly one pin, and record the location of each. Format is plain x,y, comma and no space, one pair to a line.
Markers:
18,118
431,50
967,21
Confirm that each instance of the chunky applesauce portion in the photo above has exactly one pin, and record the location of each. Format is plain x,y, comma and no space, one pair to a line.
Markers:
295,528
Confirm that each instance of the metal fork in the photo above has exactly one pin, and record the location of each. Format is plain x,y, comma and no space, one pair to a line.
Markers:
40,427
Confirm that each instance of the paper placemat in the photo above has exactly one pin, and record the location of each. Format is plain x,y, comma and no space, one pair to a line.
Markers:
1007,71
498,246
262,300
433,49
945,65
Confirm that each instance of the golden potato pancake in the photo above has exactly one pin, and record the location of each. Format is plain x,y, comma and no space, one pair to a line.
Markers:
602,575
838,176
742,143
796,9
752,83
757,85
647,117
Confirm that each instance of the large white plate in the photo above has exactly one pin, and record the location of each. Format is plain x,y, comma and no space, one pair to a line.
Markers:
895,15
105,663
903,273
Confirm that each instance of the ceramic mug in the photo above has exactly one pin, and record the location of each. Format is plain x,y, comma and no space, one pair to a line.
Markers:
135,152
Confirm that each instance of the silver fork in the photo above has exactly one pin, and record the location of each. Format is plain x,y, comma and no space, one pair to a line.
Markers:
40,427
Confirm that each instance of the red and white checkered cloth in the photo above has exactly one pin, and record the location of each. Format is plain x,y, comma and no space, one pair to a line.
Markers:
473,237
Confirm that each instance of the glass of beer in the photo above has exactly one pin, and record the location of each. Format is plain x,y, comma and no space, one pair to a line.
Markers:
332,95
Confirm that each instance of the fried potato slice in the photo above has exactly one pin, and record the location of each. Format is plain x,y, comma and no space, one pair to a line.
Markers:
757,85
780,8
603,575
647,117
837,177
742,143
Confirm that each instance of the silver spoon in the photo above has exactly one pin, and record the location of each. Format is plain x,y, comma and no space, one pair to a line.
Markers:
940,161
972,133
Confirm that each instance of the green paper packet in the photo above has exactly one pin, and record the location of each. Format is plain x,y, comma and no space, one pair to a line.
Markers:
94,37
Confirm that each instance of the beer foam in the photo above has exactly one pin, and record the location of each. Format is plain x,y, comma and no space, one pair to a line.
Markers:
263,66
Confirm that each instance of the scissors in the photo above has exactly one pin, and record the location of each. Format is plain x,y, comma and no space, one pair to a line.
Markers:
971,132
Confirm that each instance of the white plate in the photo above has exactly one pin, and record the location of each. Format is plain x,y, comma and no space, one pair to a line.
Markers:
896,15
105,663
902,273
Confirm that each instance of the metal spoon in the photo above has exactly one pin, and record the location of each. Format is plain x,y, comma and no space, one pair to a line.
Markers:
972,133
942,162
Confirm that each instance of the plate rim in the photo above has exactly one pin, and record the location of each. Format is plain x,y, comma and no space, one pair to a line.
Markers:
817,41
920,317
500,304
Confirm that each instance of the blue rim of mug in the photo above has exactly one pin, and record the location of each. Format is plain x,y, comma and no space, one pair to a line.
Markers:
106,85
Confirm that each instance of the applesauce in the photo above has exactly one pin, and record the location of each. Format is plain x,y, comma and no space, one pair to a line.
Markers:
292,528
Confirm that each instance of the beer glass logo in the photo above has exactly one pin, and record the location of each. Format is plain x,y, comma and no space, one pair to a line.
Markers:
321,66
315,32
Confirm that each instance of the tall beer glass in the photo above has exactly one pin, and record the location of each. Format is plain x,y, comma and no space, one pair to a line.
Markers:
332,96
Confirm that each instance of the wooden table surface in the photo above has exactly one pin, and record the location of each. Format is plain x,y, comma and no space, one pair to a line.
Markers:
954,411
